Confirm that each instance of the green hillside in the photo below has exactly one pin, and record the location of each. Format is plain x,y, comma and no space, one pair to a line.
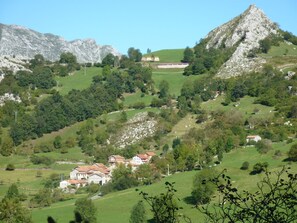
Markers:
116,207
168,55
79,80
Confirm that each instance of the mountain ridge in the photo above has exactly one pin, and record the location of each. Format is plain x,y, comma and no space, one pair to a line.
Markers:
25,43
246,30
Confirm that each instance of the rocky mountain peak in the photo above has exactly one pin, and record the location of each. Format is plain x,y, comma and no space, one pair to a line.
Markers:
25,43
244,31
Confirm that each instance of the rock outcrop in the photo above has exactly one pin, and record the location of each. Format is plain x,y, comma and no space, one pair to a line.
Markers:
243,32
26,43
141,126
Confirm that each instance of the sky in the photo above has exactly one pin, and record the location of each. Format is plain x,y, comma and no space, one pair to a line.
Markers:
153,24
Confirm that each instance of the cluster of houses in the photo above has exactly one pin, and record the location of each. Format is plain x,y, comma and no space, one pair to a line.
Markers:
99,173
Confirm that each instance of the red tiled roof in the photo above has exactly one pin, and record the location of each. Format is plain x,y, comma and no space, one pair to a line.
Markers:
143,156
76,181
150,153
95,167
252,136
118,158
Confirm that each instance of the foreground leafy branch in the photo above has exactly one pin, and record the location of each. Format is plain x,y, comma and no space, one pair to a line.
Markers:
274,201
164,206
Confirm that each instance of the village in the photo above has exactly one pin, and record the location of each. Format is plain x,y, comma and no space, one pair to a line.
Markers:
98,173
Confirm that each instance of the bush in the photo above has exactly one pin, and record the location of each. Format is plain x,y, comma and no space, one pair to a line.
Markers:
245,165
264,146
292,154
41,160
259,168
139,105
10,167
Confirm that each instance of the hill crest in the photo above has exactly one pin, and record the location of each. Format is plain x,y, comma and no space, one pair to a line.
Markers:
245,30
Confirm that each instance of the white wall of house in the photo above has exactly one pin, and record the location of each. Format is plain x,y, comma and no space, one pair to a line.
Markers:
73,174
96,179
64,184
255,139
136,160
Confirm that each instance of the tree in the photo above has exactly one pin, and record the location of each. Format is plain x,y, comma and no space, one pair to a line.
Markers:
123,178
164,206
85,211
245,165
188,55
164,89
109,60
12,211
134,54
68,58
292,154
265,45
274,201
12,192
7,147
138,213
57,142
10,167
259,168
263,146
203,189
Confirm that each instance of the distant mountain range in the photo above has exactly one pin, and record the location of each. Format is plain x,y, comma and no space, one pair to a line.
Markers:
26,43
244,31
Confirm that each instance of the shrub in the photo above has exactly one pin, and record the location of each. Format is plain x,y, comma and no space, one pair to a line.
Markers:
293,153
259,168
245,165
10,167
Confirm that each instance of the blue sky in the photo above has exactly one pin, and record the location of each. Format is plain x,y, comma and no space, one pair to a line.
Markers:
154,24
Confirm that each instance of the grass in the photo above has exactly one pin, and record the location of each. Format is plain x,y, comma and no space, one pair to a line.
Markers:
245,105
116,207
283,49
175,80
169,55
282,56
181,128
79,80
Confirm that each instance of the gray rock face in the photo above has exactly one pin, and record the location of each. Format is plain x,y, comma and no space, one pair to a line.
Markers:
26,43
246,30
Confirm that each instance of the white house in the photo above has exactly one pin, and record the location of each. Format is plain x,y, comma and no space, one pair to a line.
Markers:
255,138
76,183
142,158
96,173
115,160
98,178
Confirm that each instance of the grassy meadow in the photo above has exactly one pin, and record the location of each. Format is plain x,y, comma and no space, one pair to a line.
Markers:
116,207
169,55
79,80
245,105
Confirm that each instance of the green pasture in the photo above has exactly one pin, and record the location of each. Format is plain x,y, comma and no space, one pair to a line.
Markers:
175,80
168,55
283,49
181,128
138,96
116,207
78,80
26,179
245,105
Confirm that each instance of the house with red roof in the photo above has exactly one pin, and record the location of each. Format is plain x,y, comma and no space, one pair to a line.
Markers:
116,160
142,158
253,138
97,173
